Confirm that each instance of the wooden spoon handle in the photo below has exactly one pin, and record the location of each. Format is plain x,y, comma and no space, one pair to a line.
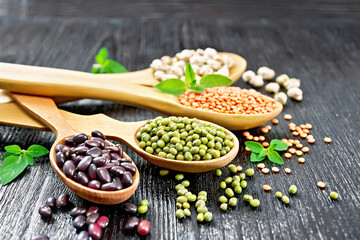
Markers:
46,111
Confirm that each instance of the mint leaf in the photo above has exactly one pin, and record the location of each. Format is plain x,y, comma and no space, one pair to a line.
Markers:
172,86
11,167
7,154
254,146
263,153
197,88
29,159
271,147
279,145
254,157
37,150
96,68
275,157
111,66
13,149
102,55
214,80
190,79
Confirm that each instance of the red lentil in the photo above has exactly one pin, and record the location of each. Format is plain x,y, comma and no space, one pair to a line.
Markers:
275,121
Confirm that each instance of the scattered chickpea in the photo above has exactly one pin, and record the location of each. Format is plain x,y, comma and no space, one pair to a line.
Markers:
287,117
281,79
327,140
275,121
248,75
265,144
305,149
261,165
281,97
287,155
321,184
265,170
275,169
301,160
266,73
266,187
256,81
272,87
287,170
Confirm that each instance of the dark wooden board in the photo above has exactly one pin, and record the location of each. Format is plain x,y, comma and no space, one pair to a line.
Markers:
325,56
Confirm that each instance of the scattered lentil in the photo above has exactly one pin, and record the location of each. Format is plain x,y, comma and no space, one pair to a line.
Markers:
239,168
301,160
275,169
292,150
321,184
261,165
261,138
278,194
179,177
223,199
243,184
275,121
223,206
265,170
287,117
218,172
248,149
266,187
200,217
334,195
208,216
163,172
246,133
265,144
287,155
292,189
299,153
254,202
285,199
247,198
233,201
187,212
327,140
287,170
249,172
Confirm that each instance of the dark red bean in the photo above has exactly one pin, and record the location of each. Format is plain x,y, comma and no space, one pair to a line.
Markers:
107,156
80,138
79,221
69,141
115,156
95,231
109,166
118,184
84,163
108,186
131,224
129,167
143,228
98,134
121,153
60,159
77,158
130,208
93,209
92,143
117,171
94,184
117,162
62,200
51,202
113,149
100,161
69,168
83,235
45,211
127,179
92,171
101,141
94,152
39,237
125,160
66,151
92,218
81,150
59,148
103,174
82,178
76,211
103,221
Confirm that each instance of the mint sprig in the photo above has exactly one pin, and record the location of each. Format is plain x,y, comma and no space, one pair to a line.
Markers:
16,160
177,86
259,153
105,65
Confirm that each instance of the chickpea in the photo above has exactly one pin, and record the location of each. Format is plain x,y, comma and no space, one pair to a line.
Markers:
272,87
248,75
266,73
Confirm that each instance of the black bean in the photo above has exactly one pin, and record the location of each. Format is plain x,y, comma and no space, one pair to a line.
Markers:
130,208
125,160
108,186
117,171
92,143
121,152
94,184
79,221
82,178
80,138
109,165
127,179
45,211
115,156
60,159
66,151
81,150
103,174
129,167
118,184
113,149
69,141
59,148
39,237
100,161
76,211
103,221
83,235
84,163
94,152
131,224
92,171
93,209
69,168
95,231
62,200
51,202
92,218
98,134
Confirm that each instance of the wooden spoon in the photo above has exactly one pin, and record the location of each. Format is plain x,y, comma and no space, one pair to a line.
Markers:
45,110
124,132
57,82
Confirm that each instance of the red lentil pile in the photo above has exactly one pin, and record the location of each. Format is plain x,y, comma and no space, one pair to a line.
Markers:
231,100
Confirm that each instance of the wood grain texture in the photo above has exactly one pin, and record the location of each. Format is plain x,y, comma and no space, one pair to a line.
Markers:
325,56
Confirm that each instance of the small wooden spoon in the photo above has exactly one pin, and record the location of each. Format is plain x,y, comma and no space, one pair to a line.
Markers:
124,132
45,110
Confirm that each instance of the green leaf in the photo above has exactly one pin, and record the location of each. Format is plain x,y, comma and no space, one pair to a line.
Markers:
13,149
11,167
7,154
271,147
254,146
263,153
96,68
102,55
275,157
197,88
190,79
172,86
279,145
111,66
254,157
214,80
37,150
29,159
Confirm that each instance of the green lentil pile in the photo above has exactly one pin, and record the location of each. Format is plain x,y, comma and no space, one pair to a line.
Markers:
181,138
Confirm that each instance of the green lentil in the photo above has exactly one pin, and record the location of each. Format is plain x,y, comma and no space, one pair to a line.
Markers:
242,176
188,194
228,180
233,201
199,203
292,189
149,150
202,193
208,216
278,194
192,198
180,213
178,205
334,195
223,206
202,209
223,185
186,205
179,186
142,209
238,189
186,183
285,199
182,191
144,202
243,184
229,192
254,202
164,172
247,198
187,212
218,172
236,178
182,199
200,217
179,177
202,198
223,199
233,169
235,184
249,172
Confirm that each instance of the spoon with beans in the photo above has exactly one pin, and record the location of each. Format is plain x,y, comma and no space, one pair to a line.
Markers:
136,134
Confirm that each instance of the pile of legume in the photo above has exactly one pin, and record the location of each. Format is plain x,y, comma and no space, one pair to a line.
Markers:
230,100
182,138
142,226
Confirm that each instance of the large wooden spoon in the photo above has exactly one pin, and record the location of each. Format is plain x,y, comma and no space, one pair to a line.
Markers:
45,110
